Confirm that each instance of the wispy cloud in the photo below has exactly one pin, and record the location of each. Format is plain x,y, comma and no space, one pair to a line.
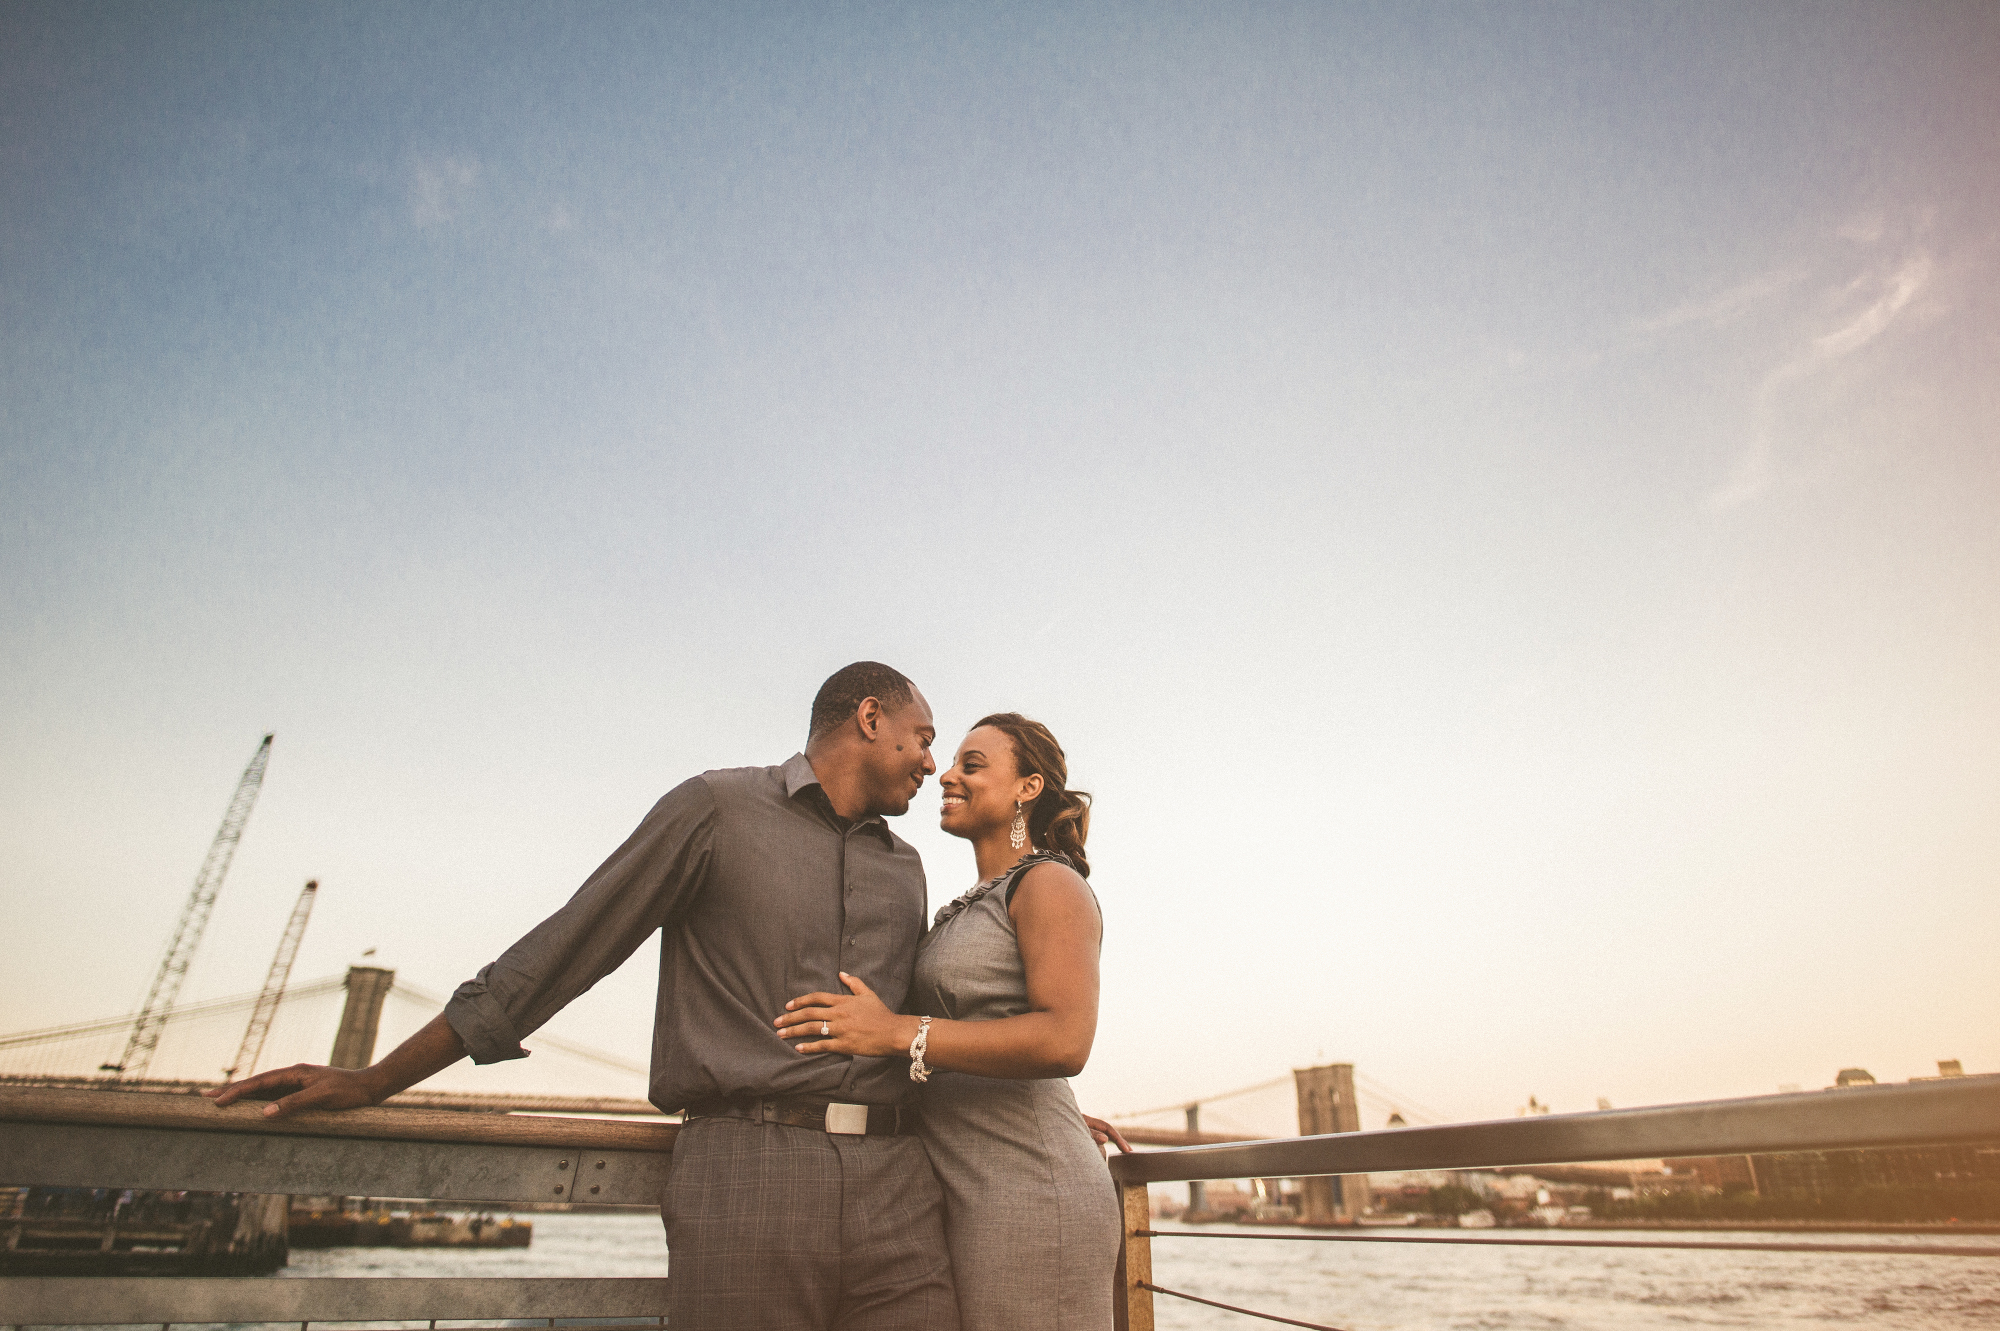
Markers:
1889,291
1751,476
1863,228
1724,306
439,187
1902,288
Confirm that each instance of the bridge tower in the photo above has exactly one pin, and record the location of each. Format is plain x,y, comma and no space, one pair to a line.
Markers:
361,1018
1327,1104
1197,1192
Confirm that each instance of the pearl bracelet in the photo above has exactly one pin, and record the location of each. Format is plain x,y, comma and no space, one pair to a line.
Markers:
918,1072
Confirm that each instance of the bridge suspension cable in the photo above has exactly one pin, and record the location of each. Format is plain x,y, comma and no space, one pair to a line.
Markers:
582,1051
1370,1087
292,995
208,1007
1396,1100
1180,1105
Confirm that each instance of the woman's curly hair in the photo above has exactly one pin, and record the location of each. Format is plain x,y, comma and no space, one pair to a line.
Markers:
1060,818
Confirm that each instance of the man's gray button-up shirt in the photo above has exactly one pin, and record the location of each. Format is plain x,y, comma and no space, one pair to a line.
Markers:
757,884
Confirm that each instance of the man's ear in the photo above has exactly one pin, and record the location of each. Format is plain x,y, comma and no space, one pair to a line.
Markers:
869,717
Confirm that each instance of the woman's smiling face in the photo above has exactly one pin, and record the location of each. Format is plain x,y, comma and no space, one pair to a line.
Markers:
983,785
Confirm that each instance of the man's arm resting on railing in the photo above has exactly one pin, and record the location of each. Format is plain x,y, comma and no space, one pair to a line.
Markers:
430,1051
646,883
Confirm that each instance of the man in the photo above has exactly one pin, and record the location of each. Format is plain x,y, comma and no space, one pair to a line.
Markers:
795,1200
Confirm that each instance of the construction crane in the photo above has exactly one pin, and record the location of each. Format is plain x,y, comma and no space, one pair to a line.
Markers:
274,986
152,1019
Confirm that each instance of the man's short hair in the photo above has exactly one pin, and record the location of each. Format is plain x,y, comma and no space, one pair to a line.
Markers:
846,687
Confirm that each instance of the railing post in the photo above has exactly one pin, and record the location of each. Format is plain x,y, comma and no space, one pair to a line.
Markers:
1132,1307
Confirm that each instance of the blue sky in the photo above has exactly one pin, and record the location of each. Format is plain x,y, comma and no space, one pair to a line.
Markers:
1499,502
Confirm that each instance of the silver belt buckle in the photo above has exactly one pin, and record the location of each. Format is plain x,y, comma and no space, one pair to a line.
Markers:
850,1120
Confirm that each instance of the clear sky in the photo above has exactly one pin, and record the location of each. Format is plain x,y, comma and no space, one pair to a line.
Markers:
1501,503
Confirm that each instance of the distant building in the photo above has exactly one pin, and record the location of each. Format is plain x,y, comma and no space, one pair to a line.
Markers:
1224,1198
1820,1173
1716,1173
1825,1173
1395,1199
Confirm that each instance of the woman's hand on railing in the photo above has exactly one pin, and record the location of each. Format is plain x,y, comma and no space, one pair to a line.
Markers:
1103,1133
309,1087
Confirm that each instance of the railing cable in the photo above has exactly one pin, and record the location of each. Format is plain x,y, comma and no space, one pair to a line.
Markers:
1898,1249
1232,1308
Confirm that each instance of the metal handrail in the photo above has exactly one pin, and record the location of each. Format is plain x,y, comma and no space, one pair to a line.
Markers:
1946,1111
1436,1239
107,1138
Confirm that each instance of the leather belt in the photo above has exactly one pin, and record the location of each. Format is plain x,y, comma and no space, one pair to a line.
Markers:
821,1115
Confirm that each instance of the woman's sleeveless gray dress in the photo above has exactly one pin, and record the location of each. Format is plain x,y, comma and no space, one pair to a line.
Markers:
1030,1212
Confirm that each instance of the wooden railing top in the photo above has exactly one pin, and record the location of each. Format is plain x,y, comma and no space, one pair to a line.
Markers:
479,1102
134,1109
1179,1137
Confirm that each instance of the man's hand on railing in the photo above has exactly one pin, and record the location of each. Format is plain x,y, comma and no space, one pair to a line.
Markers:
430,1050
309,1087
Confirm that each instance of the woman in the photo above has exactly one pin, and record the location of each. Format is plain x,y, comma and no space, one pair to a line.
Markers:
1003,1008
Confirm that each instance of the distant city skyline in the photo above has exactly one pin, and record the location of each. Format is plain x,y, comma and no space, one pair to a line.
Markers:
1501,505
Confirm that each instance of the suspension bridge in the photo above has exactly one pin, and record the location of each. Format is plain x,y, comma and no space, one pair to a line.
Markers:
204,1043
184,1047
338,1019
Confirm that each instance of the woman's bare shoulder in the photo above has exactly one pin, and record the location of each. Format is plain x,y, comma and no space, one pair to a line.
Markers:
1054,884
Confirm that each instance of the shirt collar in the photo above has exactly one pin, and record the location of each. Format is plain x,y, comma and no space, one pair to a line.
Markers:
800,777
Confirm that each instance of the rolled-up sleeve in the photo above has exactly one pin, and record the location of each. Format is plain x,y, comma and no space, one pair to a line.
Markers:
646,884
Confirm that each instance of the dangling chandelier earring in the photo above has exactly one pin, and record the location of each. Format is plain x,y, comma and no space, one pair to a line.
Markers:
1017,835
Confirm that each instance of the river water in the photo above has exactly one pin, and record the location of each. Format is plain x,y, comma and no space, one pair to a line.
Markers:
1400,1287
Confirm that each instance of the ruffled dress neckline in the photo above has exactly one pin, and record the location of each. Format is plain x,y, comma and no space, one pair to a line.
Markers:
1013,870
